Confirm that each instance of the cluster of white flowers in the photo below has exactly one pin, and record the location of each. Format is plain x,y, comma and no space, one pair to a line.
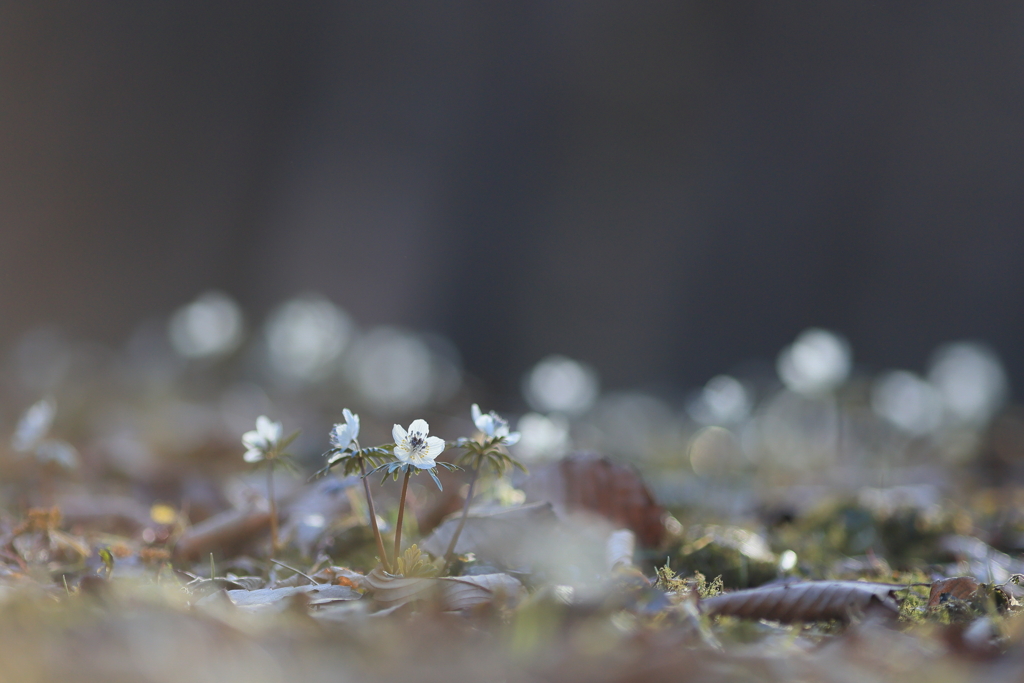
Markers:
413,446
413,451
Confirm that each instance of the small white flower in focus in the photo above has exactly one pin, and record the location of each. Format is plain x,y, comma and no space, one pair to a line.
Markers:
33,425
493,426
344,434
263,441
414,447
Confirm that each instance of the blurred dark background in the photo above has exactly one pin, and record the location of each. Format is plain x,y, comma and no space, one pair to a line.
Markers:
661,189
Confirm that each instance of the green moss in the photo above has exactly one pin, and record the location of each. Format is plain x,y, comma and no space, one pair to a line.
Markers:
739,557
669,582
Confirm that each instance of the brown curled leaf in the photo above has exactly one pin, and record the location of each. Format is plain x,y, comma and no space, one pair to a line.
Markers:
807,601
391,591
586,482
960,587
223,531
466,592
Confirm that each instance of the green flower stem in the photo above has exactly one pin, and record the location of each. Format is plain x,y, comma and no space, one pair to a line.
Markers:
373,514
401,514
273,507
465,513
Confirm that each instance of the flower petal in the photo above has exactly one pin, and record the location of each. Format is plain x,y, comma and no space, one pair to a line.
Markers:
268,429
475,412
264,425
253,455
513,438
352,420
34,425
399,434
420,426
277,431
486,425
435,447
341,436
253,440
424,463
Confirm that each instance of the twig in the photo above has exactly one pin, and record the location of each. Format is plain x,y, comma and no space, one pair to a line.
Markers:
307,576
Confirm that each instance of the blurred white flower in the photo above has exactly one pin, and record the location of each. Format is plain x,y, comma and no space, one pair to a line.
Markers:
305,336
493,426
393,370
414,447
263,441
543,437
30,436
209,326
818,361
56,451
907,401
970,379
344,434
723,400
33,425
560,384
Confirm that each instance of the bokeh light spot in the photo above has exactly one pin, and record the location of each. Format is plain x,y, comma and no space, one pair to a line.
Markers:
208,327
305,336
560,384
818,361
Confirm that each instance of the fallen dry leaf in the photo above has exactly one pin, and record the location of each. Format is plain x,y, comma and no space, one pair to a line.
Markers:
807,601
263,598
960,587
451,593
227,529
315,509
492,534
465,592
585,482
392,591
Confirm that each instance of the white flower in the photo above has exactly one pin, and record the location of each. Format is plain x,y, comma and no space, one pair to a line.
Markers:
344,434
263,440
493,426
415,447
33,426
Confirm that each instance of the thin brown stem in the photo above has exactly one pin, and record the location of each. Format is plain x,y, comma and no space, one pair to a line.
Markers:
273,507
401,515
373,517
307,576
462,522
